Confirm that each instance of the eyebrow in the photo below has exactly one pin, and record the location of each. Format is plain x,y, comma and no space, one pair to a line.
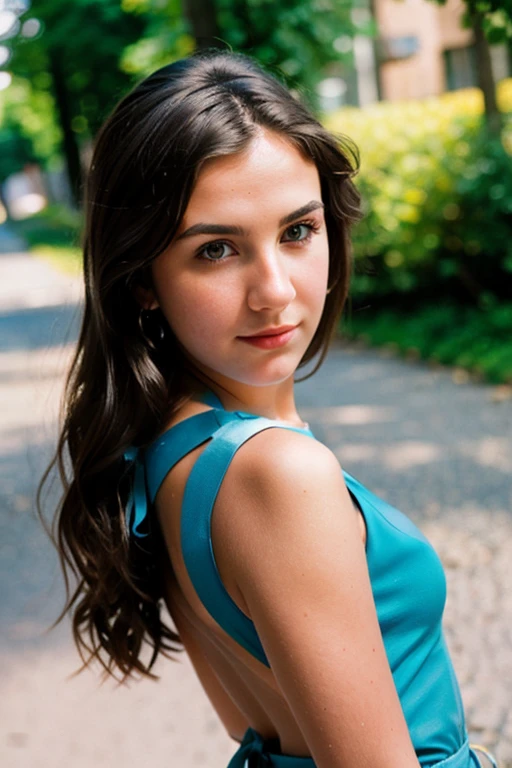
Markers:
222,229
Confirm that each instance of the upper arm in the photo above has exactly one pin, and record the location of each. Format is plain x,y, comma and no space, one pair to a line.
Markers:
295,550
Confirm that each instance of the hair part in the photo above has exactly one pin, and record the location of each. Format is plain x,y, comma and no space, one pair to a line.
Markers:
120,390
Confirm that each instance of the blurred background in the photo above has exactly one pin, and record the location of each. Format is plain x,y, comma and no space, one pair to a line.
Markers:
424,89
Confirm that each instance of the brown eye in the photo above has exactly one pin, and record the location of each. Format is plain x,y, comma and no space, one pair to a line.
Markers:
298,232
215,251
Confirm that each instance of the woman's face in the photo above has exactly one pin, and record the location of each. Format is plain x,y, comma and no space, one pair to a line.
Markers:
251,255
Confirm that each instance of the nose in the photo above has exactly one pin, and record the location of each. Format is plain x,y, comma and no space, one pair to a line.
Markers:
271,285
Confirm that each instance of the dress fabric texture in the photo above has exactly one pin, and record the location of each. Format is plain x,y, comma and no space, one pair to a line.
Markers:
407,579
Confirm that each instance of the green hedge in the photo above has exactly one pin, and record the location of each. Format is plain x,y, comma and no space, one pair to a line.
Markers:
55,225
474,339
437,193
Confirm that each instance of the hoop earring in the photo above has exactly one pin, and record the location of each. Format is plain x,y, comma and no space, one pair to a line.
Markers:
151,329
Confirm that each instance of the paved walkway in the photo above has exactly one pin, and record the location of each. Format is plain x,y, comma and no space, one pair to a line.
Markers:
439,450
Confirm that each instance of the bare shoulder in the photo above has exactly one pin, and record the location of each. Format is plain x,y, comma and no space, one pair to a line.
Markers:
290,540
278,462
280,485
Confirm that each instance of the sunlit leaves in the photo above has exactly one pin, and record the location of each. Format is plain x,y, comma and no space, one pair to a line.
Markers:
29,112
296,37
435,191
496,17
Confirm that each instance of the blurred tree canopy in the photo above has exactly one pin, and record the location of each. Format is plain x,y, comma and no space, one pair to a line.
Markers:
297,37
90,52
15,151
495,15
491,22
76,60
28,131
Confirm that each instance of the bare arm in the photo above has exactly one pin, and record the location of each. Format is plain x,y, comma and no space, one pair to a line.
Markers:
296,551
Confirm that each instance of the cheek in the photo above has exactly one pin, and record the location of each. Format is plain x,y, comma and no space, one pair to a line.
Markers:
315,281
197,310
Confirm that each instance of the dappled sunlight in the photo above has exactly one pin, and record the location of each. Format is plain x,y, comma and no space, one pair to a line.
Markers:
5,80
350,415
27,205
491,452
31,290
30,391
362,372
358,452
400,455
79,717
397,456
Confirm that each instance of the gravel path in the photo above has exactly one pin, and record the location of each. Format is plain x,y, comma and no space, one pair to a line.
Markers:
437,449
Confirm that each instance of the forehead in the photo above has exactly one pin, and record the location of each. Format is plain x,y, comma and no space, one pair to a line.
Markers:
270,175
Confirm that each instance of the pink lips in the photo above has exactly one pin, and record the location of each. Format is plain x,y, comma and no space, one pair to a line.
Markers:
271,340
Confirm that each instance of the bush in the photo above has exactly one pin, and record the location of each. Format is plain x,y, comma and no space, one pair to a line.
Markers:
477,242
56,225
479,340
437,193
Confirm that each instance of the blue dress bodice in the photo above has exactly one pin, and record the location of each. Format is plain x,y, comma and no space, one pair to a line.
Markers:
407,579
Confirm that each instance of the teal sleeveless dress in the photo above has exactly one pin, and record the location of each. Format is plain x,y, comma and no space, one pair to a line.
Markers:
407,579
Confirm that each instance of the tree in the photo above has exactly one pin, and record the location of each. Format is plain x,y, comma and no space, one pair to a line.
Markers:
297,38
90,51
491,21
78,52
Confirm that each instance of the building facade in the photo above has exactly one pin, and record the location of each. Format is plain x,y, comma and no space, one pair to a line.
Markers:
422,50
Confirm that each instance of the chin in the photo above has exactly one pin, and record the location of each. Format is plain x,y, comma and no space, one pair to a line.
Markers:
272,373
267,376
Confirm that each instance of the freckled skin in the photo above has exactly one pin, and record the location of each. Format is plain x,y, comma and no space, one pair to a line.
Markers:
264,280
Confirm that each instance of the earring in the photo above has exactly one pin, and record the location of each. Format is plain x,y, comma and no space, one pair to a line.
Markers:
151,328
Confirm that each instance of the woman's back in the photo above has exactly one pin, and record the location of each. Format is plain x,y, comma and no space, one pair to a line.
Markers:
242,690
240,683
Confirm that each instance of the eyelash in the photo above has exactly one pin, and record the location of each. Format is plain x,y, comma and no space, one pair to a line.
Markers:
312,226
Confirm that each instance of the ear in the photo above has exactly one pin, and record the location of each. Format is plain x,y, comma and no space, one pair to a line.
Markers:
145,297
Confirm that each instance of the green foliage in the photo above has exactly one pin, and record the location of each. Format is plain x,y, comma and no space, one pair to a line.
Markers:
95,49
64,258
438,196
56,226
167,36
481,229
54,236
296,37
496,17
27,116
478,340
15,152
87,38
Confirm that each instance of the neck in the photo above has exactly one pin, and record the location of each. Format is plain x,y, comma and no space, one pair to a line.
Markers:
272,402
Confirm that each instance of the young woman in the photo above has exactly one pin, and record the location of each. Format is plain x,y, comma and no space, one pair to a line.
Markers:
217,262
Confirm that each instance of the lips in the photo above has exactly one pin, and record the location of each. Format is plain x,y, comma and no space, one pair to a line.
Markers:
271,331
271,338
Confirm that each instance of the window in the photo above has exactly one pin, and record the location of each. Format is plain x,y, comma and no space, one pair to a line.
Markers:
460,68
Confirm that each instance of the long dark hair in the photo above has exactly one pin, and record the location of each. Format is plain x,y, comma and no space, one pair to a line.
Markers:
120,389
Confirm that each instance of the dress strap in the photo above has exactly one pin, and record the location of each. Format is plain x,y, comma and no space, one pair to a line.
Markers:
151,466
210,398
199,498
165,452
